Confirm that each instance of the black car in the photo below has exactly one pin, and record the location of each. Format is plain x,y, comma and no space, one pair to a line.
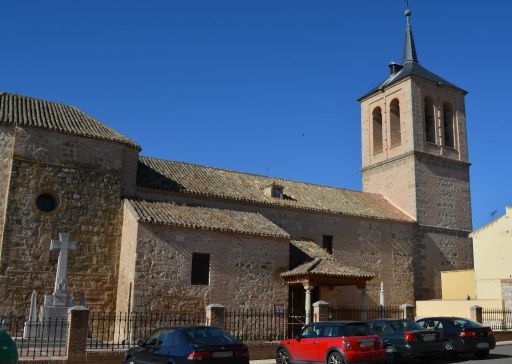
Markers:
406,339
180,345
462,335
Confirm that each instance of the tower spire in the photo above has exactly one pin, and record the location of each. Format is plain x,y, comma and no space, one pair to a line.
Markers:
409,47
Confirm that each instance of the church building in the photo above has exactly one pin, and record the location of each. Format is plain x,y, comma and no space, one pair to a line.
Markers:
162,235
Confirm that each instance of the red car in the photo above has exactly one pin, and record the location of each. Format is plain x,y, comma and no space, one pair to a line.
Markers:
332,342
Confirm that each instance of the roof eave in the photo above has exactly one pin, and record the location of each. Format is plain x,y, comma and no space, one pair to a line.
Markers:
395,82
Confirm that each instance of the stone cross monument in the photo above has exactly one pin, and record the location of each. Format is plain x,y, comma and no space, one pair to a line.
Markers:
56,305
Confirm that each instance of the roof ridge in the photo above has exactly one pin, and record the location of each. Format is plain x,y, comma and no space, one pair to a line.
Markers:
262,175
34,112
43,100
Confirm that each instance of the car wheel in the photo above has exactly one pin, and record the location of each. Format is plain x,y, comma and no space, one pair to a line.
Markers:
129,360
391,355
449,350
335,358
482,354
283,357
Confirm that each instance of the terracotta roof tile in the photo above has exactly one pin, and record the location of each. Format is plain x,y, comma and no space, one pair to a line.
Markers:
311,249
327,266
205,218
213,182
29,111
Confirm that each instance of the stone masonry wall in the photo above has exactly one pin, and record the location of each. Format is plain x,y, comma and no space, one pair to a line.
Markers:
443,193
439,250
88,176
90,212
244,270
381,247
6,146
444,219
127,261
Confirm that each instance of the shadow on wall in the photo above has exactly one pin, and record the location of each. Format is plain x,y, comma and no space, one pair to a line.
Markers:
435,251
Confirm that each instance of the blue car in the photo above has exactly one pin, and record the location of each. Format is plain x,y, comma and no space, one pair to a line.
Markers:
180,345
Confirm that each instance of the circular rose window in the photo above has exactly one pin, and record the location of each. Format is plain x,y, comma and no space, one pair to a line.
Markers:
47,202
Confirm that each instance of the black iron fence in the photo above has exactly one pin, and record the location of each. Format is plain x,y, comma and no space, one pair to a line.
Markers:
42,338
368,313
497,319
123,330
257,325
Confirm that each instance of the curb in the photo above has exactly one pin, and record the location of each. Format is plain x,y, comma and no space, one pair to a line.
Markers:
500,343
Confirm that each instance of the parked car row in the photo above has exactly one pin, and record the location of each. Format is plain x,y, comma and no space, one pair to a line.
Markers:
386,340
330,342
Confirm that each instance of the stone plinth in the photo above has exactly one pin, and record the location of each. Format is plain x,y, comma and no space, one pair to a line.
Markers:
320,311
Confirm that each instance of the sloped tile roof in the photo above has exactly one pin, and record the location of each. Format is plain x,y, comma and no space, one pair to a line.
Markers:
410,69
29,111
327,266
311,249
213,182
205,218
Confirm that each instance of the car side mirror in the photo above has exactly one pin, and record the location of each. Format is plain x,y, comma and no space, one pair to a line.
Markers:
298,337
141,343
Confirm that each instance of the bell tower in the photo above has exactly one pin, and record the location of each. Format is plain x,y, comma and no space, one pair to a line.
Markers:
415,153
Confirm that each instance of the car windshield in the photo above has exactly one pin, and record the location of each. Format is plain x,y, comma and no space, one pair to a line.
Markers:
357,329
466,324
209,336
404,325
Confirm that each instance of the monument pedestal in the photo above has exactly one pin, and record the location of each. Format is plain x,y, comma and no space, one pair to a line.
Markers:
30,329
53,315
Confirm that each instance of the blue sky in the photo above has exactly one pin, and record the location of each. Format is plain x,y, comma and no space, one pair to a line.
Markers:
263,86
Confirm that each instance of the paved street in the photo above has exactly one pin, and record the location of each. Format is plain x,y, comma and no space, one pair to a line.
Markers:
501,355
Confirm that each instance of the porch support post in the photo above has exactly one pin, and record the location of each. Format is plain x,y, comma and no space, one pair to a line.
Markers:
363,302
308,289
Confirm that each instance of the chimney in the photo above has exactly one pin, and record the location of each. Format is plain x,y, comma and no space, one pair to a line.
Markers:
394,68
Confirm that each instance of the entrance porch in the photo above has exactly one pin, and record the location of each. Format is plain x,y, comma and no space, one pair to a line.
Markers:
322,271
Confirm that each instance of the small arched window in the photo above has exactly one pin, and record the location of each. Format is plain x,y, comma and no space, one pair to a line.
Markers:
448,124
377,130
430,125
394,120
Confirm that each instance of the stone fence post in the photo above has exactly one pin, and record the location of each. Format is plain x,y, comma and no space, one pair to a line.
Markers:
215,315
78,323
320,311
407,311
476,313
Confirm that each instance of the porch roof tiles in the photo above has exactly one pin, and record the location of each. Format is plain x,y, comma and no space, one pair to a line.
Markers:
327,266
